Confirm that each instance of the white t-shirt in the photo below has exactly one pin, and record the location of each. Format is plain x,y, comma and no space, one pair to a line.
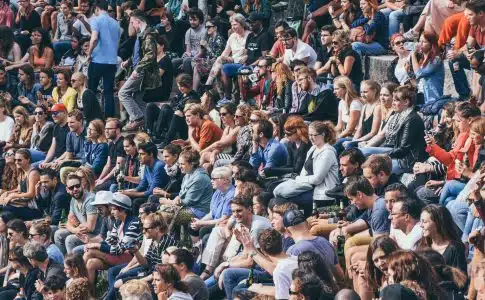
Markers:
303,51
407,242
355,105
81,28
6,128
282,276
237,45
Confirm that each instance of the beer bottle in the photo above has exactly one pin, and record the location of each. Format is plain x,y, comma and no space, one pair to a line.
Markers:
341,213
250,280
121,179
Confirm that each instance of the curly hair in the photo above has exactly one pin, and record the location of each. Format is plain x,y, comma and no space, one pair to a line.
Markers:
296,124
78,289
282,74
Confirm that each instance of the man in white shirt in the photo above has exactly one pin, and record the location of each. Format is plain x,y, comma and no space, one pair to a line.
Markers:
297,49
405,227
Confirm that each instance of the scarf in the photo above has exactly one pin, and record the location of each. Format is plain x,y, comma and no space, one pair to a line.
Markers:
173,170
394,125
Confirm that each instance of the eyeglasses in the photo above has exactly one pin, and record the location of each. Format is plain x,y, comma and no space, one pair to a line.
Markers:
238,116
18,160
314,135
215,178
209,26
224,114
31,235
147,228
289,133
55,113
253,121
74,186
39,113
110,128
260,66
73,80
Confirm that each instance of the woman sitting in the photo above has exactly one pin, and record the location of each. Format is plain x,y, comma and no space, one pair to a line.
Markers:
74,267
23,130
350,11
220,208
10,173
196,190
26,89
283,79
86,99
40,55
296,133
243,139
226,145
69,58
96,147
439,234
428,66
21,202
344,61
404,135
401,69
5,217
376,112
41,134
370,30
167,283
63,92
209,103
349,110
319,173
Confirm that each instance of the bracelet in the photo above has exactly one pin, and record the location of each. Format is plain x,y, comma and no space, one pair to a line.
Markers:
253,254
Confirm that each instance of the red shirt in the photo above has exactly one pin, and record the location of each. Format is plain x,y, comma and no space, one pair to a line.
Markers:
478,33
207,134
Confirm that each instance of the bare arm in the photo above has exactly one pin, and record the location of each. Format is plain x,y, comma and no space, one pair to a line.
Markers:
352,124
376,122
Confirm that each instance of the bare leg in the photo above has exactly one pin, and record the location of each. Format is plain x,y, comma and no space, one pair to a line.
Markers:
227,84
196,80
93,265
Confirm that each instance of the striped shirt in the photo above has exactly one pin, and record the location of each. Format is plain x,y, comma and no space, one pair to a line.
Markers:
156,249
118,239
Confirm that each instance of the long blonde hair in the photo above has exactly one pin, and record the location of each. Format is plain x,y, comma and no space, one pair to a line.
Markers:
344,82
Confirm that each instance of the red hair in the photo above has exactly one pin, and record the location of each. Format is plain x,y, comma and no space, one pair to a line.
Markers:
435,50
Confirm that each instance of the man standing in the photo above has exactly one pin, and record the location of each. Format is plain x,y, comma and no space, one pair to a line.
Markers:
82,218
51,196
116,155
154,176
103,52
145,74
267,152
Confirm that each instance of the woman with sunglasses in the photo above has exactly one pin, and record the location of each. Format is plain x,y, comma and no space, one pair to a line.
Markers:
401,69
226,145
41,134
22,202
155,228
17,233
23,130
212,48
10,173
86,99
345,61
41,233
243,139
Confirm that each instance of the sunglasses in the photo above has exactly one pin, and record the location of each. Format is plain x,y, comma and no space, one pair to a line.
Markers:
398,43
289,133
31,235
55,113
8,154
334,43
293,292
39,113
260,66
224,114
209,26
148,228
253,121
18,160
238,116
74,186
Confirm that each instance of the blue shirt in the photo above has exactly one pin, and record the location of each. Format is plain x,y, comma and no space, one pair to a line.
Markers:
274,155
106,50
75,144
136,53
377,217
30,94
221,203
96,156
433,76
153,177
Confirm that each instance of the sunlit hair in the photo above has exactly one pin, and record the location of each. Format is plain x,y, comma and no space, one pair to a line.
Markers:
78,289
344,82
77,265
88,174
443,221
99,128
395,36
260,114
245,110
20,110
296,124
435,50
157,220
283,74
374,7
135,290
478,126
342,35
373,85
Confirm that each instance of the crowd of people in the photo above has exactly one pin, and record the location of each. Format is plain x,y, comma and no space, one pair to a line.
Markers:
205,150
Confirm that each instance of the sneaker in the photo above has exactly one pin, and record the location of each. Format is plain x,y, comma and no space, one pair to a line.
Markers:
223,101
134,125
411,35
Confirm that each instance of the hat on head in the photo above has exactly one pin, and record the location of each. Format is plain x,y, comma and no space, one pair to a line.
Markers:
121,200
103,198
59,107
255,16
293,217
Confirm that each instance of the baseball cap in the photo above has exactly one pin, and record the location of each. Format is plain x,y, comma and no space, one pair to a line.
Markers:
103,198
293,217
59,107
121,200
255,16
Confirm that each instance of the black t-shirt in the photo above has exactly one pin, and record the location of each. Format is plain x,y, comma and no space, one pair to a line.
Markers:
167,78
60,133
46,93
175,39
324,54
116,150
31,23
257,43
356,74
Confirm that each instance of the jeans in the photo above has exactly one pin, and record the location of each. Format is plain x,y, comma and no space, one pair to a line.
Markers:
114,275
459,211
231,69
24,213
367,151
131,96
394,18
370,49
450,191
66,241
60,47
37,155
459,77
107,72
233,276
339,147
157,120
78,250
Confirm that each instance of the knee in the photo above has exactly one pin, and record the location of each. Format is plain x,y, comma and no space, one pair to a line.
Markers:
118,284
